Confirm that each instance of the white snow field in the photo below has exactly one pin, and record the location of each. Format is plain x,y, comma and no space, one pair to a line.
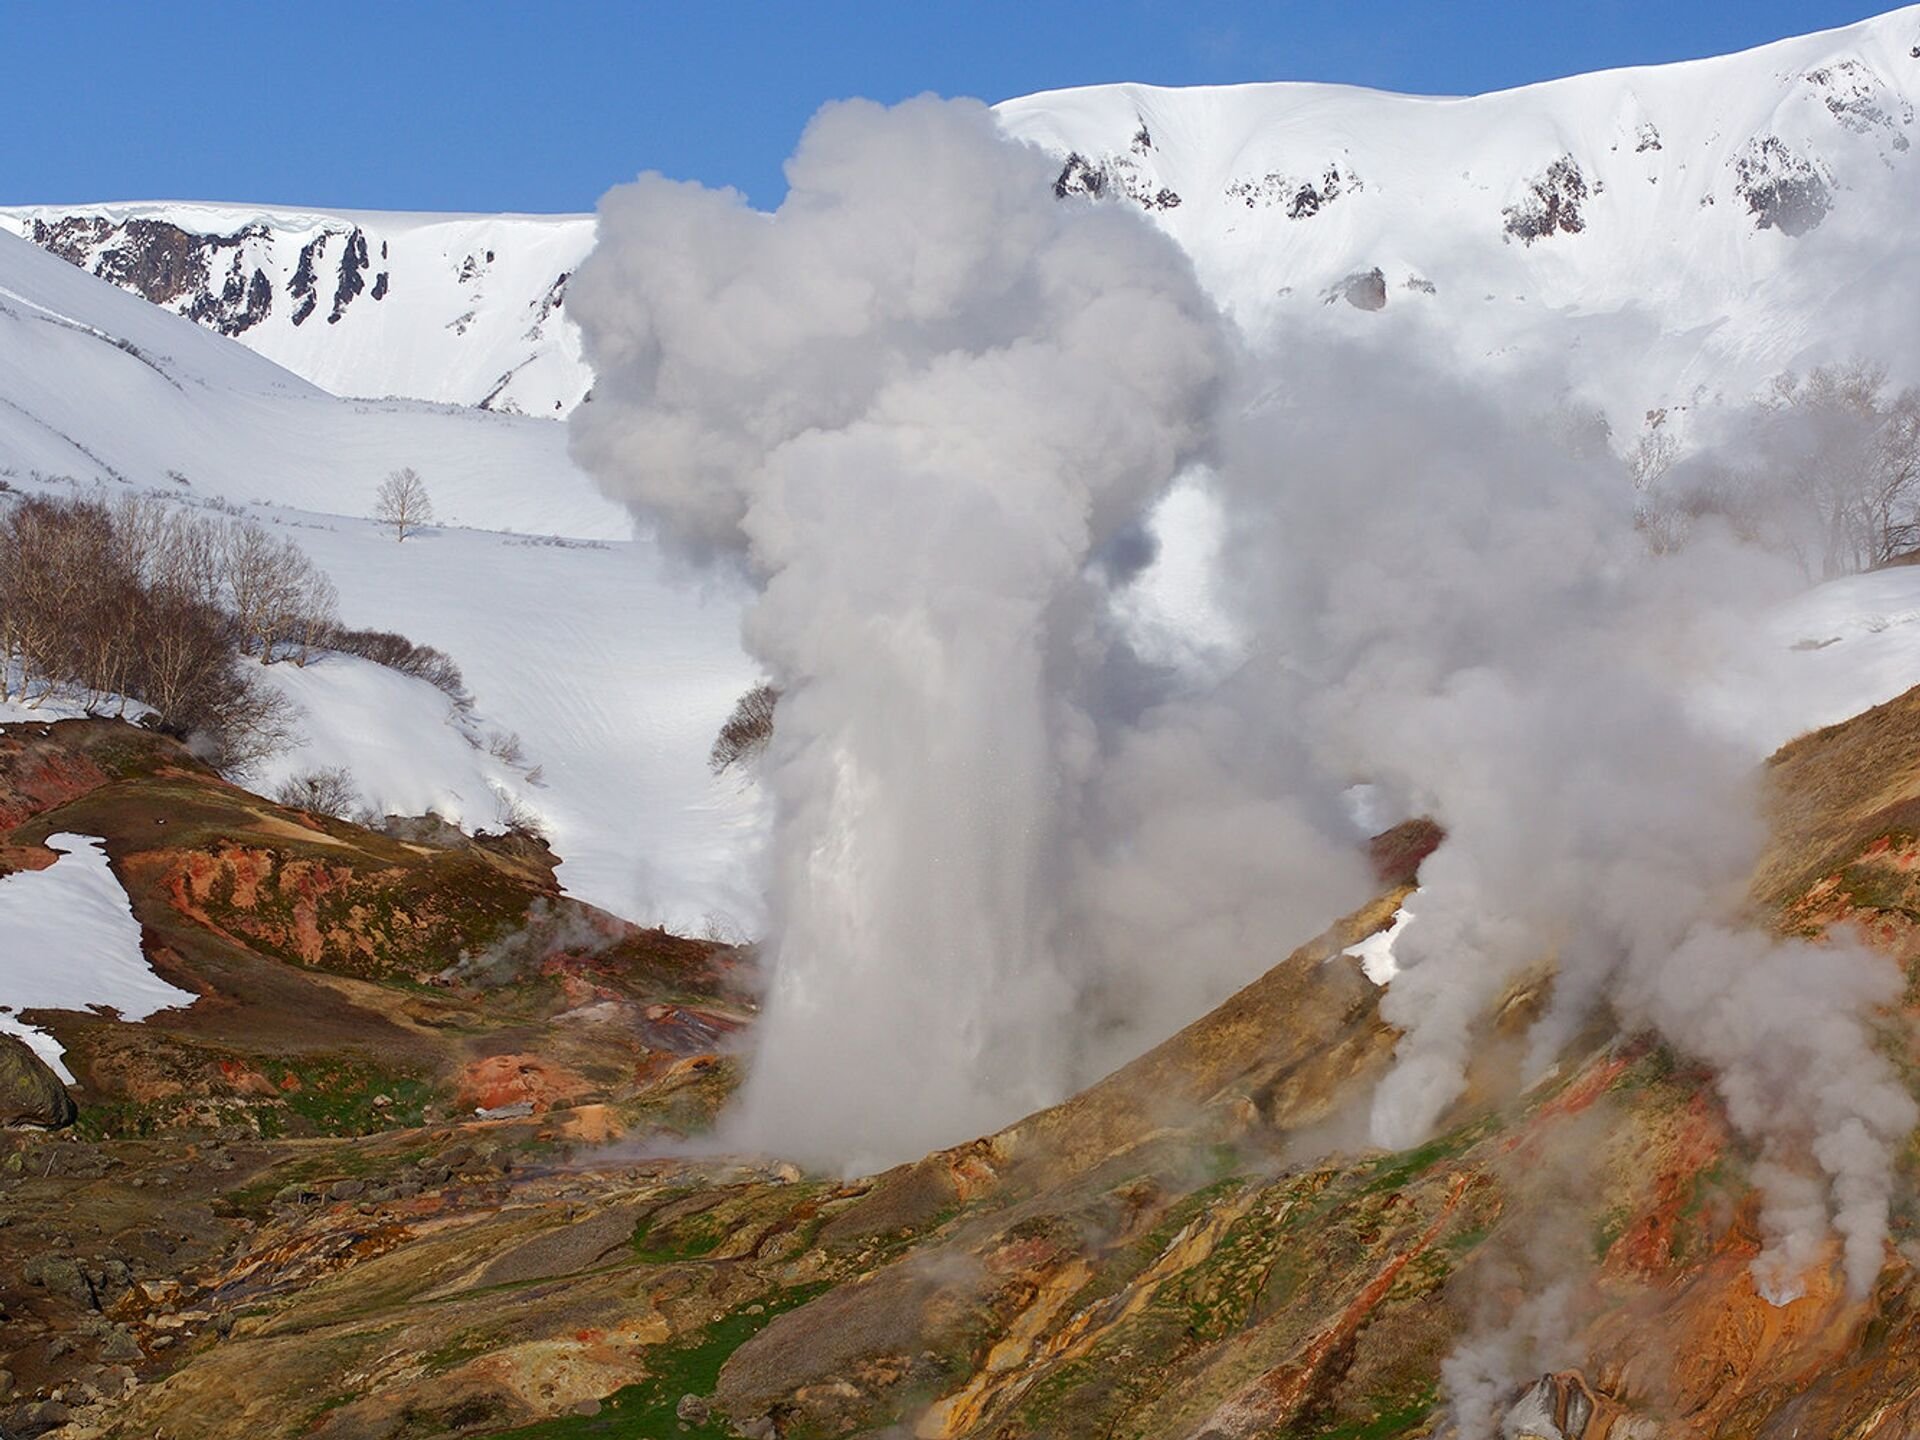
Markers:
1685,227
68,941
577,636
615,676
1840,648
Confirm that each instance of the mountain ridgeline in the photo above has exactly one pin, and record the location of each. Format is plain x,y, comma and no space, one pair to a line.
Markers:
1604,222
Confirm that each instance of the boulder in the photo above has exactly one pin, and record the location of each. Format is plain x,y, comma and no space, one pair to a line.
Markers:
693,1409
30,1093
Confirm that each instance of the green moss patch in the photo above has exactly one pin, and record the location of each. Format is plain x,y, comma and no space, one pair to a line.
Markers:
646,1411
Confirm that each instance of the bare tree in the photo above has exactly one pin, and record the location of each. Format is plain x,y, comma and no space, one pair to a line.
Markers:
315,611
252,563
402,503
1848,455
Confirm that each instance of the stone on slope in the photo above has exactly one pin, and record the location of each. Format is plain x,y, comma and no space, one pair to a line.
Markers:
30,1093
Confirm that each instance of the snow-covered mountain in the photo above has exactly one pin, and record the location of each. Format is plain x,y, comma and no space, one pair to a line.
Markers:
1648,231
1644,232
572,635
464,309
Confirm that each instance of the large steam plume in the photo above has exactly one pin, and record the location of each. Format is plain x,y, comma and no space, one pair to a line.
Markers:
918,403
925,405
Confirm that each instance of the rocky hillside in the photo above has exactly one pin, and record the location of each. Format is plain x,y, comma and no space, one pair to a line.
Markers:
462,309
1198,1246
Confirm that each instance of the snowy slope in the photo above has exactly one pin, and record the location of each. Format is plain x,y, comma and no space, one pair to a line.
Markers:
615,675
569,631
71,943
163,399
1642,232
460,309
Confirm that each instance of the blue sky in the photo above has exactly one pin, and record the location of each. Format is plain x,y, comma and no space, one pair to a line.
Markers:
494,106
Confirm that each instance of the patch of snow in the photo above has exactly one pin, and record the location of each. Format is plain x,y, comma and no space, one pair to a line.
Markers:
1375,953
615,677
68,941
1817,659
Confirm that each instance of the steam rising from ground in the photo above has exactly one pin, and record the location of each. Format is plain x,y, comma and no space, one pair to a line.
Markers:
926,406
1449,602
918,404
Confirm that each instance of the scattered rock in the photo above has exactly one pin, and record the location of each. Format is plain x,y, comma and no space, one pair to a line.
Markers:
1783,191
1303,197
119,1347
30,1420
693,1409
504,1112
1551,205
30,1093
1364,290
61,1275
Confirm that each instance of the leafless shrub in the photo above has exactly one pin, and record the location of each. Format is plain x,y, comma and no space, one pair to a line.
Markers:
515,817
396,652
326,791
747,731
505,745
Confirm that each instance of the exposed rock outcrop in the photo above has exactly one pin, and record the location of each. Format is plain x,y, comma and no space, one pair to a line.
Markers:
30,1093
1552,204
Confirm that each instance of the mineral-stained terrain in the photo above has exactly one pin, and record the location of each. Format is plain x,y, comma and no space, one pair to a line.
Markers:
404,1169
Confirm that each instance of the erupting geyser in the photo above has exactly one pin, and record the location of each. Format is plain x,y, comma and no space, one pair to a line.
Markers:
915,403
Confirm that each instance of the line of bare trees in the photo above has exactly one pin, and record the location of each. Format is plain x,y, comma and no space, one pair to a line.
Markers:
138,600
105,604
1825,467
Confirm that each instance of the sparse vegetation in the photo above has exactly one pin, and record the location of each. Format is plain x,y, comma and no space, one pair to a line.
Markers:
325,791
1832,474
397,652
748,730
515,817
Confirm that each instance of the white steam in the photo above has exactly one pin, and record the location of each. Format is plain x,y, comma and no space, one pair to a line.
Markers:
1445,600
925,406
918,403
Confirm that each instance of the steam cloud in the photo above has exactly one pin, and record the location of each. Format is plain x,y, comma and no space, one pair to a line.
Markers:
926,406
918,404
1456,605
